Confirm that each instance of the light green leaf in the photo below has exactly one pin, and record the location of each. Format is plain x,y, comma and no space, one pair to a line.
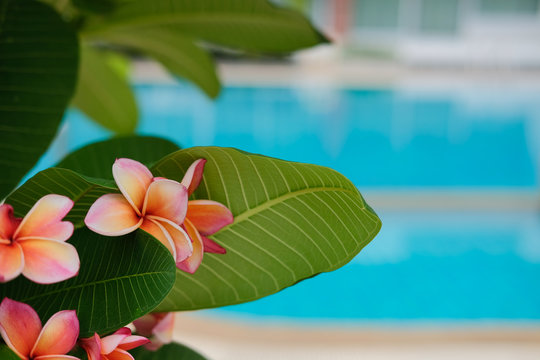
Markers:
167,352
120,280
38,70
292,221
103,94
175,51
96,159
251,25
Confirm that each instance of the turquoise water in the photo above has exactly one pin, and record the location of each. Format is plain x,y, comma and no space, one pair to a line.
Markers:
424,265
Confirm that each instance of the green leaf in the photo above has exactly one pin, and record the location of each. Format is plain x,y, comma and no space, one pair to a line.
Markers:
103,94
7,354
93,178
292,221
38,70
251,25
175,51
96,159
82,190
167,352
120,280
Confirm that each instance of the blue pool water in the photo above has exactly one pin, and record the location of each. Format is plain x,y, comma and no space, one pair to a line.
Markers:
423,265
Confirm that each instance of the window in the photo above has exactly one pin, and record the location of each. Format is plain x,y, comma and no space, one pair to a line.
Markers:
509,6
376,14
439,16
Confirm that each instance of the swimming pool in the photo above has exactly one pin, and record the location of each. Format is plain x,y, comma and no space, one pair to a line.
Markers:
424,265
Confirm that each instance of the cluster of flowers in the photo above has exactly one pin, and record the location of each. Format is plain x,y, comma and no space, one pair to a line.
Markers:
35,246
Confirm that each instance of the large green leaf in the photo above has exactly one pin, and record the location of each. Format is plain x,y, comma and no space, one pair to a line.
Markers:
96,159
167,352
7,354
175,51
104,94
82,190
120,280
252,25
292,221
38,70
87,174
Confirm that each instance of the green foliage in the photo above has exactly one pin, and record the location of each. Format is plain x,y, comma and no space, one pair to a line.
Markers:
97,81
249,25
120,280
96,159
167,352
38,66
7,354
292,221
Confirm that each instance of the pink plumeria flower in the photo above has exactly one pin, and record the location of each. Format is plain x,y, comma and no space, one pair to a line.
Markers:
21,330
35,245
156,205
112,347
158,327
203,218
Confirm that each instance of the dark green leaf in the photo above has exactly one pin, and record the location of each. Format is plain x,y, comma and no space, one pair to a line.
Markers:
7,354
82,190
167,352
251,25
292,221
38,70
175,51
120,280
96,159
103,94
94,6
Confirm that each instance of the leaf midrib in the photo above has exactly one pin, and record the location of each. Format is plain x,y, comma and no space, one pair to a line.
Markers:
43,294
192,19
268,204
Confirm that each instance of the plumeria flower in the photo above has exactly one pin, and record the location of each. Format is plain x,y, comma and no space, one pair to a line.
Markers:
35,245
21,330
158,327
156,205
112,347
203,218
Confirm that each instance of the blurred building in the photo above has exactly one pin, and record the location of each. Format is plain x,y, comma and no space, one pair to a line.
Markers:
433,32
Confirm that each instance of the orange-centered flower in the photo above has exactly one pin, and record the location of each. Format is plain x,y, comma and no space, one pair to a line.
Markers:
158,327
156,205
203,218
21,330
35,245
112,347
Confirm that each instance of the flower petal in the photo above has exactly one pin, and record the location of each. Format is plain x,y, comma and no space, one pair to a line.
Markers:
164,329
191,264
92,346
49,261
181,240
59,334
194,175
133,341
210,246
120,354
11,261
145,324
19,325
133,179
112,215
8,222
157,230
44,219
111,342
208,216
167,199
56,357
